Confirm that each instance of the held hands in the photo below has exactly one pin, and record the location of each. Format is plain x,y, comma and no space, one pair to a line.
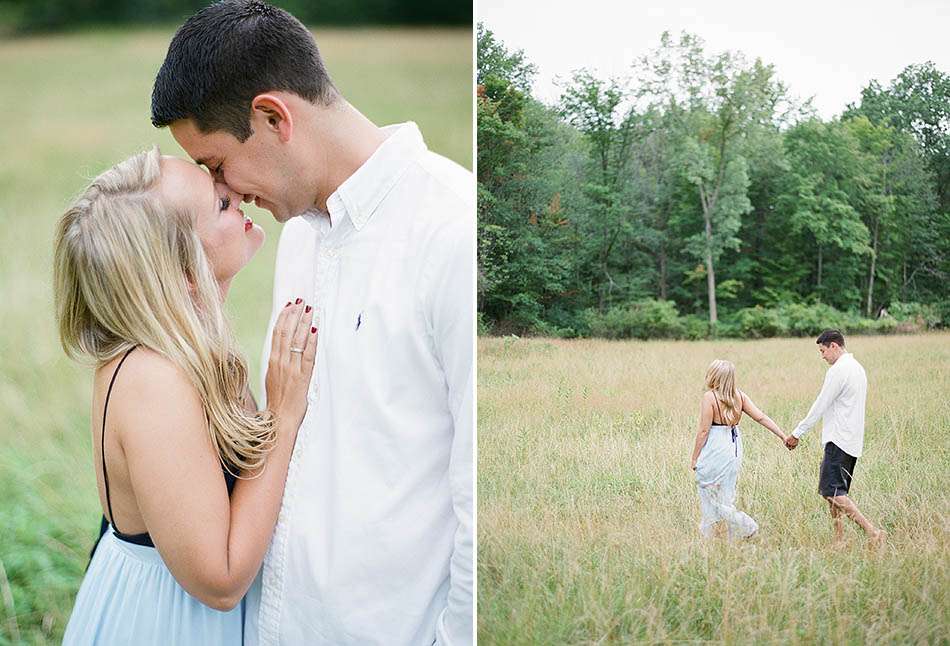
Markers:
293,349
791,442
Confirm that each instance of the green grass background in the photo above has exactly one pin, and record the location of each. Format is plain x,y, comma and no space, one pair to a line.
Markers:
73,105
588,512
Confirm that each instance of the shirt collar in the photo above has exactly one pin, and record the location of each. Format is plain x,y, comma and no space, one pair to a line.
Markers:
844,358
359,196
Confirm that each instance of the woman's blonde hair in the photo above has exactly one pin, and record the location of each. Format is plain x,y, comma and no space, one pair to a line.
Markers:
721,380
130,270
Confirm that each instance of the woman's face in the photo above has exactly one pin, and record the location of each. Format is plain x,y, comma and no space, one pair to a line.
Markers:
229,237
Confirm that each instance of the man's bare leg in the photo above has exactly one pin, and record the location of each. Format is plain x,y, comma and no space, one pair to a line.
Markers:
838,523
846,505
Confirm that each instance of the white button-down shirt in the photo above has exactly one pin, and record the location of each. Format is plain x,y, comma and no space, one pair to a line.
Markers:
373,543
840,406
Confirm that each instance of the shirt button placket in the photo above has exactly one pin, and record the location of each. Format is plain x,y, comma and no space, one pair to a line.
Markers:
323,269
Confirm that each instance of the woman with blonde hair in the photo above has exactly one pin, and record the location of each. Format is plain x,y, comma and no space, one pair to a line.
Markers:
717,454
190,474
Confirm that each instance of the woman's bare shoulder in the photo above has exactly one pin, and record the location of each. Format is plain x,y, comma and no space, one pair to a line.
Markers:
142,368
151,384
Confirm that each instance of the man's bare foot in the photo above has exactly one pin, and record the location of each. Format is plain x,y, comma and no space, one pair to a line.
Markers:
877,538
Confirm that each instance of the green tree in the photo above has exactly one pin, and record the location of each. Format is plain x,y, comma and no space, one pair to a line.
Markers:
498,67
652,182
898,199
701,183
594,107
916,102
523,263
828,173
720,100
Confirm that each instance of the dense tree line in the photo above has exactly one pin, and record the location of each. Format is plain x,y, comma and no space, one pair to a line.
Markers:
698,196
35,15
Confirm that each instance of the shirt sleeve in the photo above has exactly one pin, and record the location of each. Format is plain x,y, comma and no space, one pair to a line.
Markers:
452,325
829,391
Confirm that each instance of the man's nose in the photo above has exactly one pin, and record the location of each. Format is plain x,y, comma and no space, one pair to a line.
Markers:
230,192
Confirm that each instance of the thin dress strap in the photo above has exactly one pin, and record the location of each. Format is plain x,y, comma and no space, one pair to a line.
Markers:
105,411
722,418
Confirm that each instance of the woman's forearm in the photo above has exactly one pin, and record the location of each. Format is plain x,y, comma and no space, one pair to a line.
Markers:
767,422
255,505
701,436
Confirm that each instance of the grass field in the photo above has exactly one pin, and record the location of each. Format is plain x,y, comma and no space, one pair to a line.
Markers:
588,512
75,105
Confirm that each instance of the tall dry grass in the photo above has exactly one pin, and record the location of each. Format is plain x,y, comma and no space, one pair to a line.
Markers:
588,512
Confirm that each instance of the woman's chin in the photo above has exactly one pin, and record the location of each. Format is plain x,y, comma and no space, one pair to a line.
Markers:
254,241
255,237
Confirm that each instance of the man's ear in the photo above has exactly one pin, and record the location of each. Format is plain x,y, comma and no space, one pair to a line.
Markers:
271,112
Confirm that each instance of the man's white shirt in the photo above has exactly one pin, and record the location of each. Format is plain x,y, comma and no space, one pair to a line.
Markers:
373,544
840,406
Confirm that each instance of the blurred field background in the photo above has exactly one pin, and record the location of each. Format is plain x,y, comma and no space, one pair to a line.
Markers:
76,104
588,512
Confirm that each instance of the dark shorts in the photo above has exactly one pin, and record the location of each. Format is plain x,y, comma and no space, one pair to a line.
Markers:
837,469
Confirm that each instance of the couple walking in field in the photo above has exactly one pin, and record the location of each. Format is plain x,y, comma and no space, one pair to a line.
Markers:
339,511
717,453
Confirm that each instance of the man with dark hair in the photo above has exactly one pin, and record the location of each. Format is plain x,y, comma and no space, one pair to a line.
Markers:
374,540
840,405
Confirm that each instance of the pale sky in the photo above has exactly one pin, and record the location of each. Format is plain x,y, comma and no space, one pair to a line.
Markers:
828,49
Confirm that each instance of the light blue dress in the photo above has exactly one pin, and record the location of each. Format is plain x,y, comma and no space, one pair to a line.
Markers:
129,596
717,473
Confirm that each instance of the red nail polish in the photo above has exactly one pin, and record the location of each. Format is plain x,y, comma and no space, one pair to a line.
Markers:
307,309
313,330
288,304
298,301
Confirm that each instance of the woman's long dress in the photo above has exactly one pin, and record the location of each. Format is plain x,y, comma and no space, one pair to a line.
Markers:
717,473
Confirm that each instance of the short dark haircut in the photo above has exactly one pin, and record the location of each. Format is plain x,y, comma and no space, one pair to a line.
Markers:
831,336
228,53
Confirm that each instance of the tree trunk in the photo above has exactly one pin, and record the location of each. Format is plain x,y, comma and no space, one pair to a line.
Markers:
877,228
663,270
709,206
904,280
710,273
877,223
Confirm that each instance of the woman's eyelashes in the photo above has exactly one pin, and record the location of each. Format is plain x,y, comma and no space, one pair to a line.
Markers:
225,203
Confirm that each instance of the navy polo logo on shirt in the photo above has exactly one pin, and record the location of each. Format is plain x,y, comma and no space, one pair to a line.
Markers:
359,321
